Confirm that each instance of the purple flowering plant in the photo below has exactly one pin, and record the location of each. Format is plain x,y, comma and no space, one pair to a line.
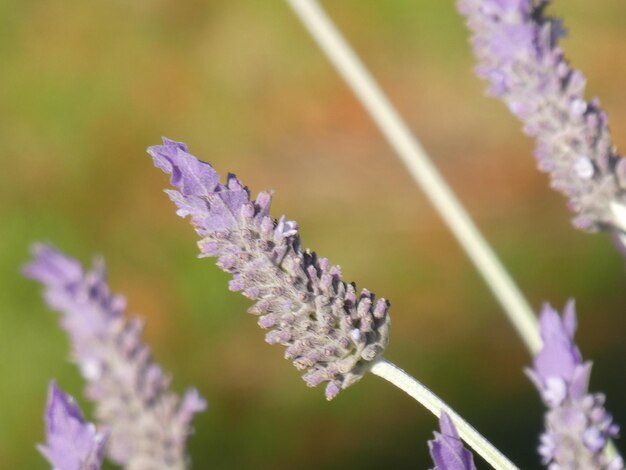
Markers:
331,331
148,425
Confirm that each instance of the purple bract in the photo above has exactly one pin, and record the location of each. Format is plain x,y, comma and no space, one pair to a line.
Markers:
447,449
71,442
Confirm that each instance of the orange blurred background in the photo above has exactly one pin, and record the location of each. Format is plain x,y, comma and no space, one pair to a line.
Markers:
85,87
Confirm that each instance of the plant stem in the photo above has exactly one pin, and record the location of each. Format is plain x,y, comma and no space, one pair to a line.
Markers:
421,169
471,436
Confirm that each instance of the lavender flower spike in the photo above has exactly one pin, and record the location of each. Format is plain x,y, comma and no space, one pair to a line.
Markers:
578,428
330,330
149,424
447,448
72,443
516,45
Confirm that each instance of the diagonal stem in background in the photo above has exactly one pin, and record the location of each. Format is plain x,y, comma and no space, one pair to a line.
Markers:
422,170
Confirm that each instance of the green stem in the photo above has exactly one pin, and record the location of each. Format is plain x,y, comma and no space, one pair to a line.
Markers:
471,436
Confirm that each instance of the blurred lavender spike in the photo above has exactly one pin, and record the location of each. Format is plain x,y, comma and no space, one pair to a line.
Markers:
330,330
517,49
578,428
447,448
149,424
71,442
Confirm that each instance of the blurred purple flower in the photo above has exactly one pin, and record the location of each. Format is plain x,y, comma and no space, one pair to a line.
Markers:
516,45
447,448
71,442
149,425
578,427
329,330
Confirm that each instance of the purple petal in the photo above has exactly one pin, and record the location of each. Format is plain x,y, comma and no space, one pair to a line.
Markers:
192,176
559,355
51,267
72,443
447,448
212,205
191,404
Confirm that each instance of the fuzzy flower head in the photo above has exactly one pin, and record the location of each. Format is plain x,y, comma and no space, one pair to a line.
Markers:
148,423
516,46
447,449
578,427
329,329
71,442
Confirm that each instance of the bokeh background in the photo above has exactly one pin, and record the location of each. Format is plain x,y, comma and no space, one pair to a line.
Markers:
86,86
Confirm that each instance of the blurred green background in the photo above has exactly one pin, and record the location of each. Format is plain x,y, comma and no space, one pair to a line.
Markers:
86,86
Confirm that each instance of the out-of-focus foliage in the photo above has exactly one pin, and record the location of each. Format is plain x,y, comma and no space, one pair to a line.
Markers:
85,87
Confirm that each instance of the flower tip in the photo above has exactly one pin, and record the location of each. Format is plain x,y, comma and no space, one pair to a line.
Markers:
446,425
72,443
51,267
167,144
447,449
559,356
60,407
174,143
190,175
191,404
570,321
332,390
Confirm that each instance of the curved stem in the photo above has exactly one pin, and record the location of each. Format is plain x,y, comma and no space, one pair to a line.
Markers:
471,436
422,170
